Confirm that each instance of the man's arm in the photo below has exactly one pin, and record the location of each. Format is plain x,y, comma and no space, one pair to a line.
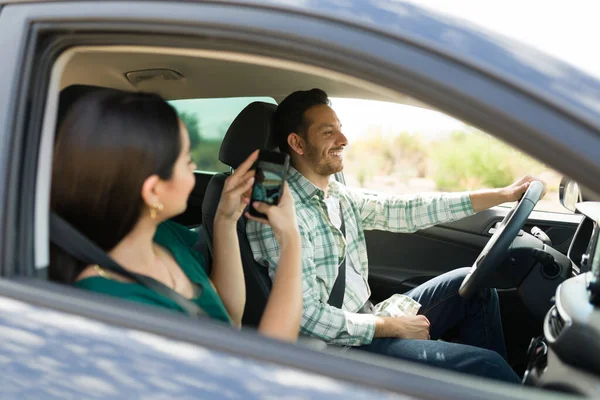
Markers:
397,213
319,319
487,198
409,213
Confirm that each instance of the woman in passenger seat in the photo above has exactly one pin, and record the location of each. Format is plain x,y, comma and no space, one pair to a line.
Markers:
121,170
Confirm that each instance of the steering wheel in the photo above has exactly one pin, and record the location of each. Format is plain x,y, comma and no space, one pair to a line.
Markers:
496,249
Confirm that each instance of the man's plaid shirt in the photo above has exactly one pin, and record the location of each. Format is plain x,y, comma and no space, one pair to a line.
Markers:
324,246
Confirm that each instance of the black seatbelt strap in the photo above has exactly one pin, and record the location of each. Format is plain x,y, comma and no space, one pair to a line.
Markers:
69,239
336,297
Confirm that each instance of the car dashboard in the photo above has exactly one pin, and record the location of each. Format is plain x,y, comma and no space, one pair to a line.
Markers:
567,356
585,239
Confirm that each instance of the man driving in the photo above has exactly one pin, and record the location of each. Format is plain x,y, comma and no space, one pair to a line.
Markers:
332,219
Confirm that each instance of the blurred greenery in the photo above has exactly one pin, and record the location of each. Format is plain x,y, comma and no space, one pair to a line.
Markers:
464,160
472,159
403,156
204,151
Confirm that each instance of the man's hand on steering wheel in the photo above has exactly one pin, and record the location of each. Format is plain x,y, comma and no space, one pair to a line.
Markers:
514,191
497,248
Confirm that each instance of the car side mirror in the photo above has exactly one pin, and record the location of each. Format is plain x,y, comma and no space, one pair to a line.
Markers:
569,193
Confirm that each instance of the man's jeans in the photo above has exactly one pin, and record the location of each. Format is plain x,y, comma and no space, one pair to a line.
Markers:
477,320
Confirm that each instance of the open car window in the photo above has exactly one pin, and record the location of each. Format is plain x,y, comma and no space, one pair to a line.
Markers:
405,149
207,121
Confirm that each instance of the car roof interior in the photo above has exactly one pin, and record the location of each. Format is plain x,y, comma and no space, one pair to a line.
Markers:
188,74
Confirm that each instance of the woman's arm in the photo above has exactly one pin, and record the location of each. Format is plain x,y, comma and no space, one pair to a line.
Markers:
227,274
281,318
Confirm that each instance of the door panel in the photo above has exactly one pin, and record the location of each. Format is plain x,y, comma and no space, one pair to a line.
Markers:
399,261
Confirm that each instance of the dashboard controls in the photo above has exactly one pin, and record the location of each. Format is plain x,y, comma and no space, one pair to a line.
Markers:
537,356
556,323
541,235
551,271
593,288
497,225
585,259
549,267
572,326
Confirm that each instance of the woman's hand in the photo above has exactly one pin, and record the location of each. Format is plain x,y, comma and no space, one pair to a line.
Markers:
281,218
236,191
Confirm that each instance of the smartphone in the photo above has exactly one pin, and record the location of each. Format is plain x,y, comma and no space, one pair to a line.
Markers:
271,171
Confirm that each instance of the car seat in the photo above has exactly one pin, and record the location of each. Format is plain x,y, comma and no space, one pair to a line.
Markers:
250,130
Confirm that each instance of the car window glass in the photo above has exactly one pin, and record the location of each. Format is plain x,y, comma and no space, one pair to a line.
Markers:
406,149
207,121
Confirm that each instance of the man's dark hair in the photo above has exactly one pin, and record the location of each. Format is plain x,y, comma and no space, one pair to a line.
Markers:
290,118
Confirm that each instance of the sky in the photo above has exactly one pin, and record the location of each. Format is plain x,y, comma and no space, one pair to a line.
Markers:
567,30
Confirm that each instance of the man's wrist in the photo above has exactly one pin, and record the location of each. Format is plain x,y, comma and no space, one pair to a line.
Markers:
388,327
486,198
503,195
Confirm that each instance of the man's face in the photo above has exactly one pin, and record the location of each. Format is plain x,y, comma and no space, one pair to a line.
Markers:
325,141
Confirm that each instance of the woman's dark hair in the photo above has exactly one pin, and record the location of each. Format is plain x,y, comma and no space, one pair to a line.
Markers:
290,118
109,143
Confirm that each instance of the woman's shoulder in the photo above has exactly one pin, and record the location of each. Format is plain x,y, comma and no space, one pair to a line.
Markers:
123,290
101,284
181,242
170,232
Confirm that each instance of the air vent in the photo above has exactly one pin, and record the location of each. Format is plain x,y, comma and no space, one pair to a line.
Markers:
556,323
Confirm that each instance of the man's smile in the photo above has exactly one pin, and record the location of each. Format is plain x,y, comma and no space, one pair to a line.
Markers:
337,153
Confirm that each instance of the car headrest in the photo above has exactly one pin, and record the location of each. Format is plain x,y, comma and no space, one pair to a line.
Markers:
249,131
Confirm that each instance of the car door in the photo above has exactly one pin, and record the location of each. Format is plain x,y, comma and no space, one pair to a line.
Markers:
34,35
400,261
50,332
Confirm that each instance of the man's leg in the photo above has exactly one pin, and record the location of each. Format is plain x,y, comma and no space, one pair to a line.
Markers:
478,318
451,356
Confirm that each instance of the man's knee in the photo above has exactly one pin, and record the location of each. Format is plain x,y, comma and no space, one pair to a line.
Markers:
453,279
492,365
458,275
490,357
487,294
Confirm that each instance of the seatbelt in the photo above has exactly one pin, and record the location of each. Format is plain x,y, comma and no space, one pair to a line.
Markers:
69,239
336,297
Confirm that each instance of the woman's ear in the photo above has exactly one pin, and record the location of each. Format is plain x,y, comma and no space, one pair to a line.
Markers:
296,143
151,191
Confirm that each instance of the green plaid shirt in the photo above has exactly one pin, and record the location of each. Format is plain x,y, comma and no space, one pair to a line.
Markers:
324,246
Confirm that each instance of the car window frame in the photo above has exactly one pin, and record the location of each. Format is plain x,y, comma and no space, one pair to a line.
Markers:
34,18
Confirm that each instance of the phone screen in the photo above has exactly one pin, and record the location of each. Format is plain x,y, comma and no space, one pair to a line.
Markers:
267,182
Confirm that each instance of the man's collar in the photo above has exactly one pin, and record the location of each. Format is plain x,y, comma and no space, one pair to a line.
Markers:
306,189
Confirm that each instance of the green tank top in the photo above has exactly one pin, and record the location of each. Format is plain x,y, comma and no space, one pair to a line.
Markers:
179,241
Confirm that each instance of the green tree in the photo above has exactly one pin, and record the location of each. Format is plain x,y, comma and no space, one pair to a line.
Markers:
473,159
204,151
192,122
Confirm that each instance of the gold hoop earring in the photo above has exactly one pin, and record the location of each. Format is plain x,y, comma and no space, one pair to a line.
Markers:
156,209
